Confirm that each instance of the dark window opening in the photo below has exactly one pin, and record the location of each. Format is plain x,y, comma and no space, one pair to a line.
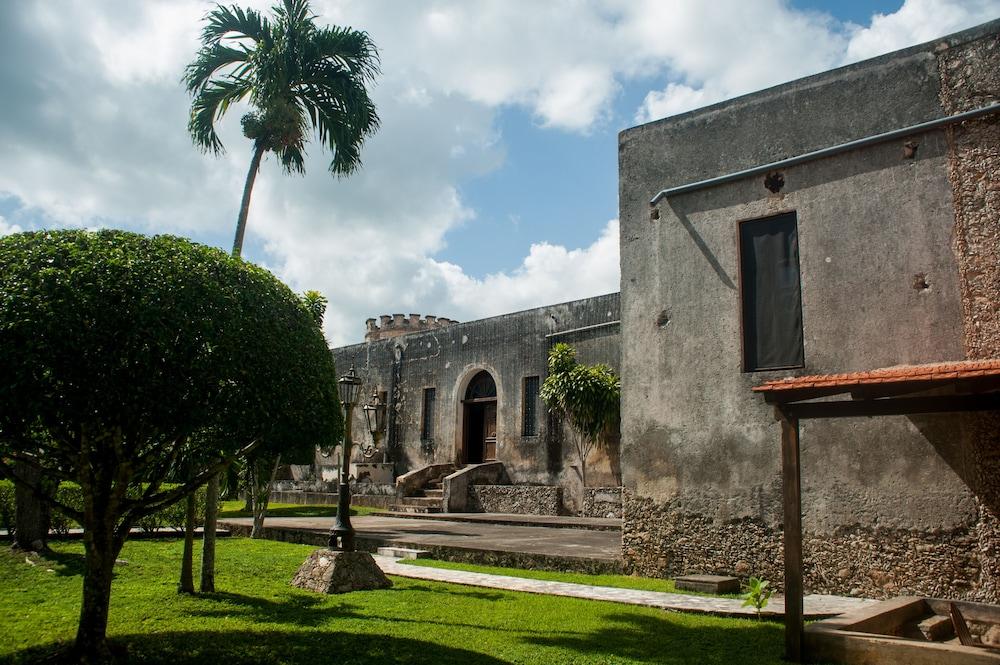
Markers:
482,386
772,295
529,411
427,417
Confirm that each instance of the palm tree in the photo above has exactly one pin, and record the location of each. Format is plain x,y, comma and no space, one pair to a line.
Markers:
295,75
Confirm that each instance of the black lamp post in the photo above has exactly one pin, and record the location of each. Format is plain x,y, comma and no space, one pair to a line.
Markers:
375,415
342,533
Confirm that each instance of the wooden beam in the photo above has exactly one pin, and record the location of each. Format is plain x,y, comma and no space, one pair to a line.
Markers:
899,406
792,536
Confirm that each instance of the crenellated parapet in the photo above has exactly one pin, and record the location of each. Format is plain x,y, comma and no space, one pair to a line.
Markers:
399,324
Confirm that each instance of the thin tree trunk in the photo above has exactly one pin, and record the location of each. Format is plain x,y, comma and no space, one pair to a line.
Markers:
186,584
102,549
31,514
208,545
241,223
261,495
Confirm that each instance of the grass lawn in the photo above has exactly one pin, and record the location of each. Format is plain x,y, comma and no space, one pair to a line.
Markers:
617,581
235,509
257,617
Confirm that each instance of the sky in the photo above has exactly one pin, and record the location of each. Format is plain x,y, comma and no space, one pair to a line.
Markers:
491,186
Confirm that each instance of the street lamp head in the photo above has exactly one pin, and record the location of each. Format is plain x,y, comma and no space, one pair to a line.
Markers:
375,413
349,386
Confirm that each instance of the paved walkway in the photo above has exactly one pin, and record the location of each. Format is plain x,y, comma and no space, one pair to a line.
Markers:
816,606
599,545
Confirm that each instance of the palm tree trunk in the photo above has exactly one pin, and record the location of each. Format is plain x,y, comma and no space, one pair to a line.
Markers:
241,223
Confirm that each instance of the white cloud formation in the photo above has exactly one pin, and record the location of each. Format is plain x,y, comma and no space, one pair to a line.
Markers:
917,21
7,228
92,127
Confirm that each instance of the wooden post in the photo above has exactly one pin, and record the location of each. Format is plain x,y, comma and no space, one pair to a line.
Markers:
791,486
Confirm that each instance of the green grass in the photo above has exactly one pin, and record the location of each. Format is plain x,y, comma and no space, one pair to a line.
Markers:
257,617
235,509
617,581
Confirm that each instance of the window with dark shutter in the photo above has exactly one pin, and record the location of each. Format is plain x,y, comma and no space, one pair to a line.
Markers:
427,417
529,409
772,295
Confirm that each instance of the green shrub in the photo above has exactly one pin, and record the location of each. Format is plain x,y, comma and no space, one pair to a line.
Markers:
171,517
7,506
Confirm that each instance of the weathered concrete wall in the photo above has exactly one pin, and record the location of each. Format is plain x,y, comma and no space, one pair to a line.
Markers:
700,452
516,499
510,347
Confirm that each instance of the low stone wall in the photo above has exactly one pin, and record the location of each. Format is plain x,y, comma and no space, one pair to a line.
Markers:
362,494
517,499
602,502
660,541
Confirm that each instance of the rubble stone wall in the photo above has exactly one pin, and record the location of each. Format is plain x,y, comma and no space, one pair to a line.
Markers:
517,499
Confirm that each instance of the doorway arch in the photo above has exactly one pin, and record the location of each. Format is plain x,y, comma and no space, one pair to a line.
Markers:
478,429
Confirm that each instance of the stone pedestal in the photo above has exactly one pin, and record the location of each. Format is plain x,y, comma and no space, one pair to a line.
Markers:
332,571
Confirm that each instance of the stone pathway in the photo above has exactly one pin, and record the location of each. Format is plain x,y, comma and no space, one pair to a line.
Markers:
816,606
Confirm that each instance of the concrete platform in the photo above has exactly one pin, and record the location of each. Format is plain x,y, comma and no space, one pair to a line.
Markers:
514,519
473,541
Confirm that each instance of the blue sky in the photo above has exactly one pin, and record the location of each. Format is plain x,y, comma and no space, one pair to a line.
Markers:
492,185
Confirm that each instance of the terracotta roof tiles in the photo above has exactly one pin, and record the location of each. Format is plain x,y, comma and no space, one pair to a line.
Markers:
929,373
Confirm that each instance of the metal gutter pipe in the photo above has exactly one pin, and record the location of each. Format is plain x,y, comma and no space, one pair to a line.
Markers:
825,152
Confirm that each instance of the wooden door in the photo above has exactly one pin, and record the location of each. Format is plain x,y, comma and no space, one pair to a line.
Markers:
490,432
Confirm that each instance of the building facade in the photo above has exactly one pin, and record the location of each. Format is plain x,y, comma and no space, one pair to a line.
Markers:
461,393
879,253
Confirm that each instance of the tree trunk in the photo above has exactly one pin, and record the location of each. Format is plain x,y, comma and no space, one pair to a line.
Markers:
208,545
31,514
241,223
102,548
186,584
261,493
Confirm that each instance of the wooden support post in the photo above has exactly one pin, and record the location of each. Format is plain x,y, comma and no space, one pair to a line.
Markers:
791,485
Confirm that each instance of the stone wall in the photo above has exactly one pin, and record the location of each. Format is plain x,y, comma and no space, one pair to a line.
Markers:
516,499
665,541
602,502
970,78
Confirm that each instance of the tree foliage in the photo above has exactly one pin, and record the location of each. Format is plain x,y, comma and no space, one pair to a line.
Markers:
587,396
127,358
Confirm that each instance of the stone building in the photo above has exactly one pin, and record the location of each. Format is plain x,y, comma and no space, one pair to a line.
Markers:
755,245
467,393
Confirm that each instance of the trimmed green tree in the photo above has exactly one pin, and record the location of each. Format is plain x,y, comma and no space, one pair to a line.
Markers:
586,396
126,358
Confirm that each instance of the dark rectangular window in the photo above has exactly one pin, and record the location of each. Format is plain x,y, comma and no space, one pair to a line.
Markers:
529,410
427,417
772,295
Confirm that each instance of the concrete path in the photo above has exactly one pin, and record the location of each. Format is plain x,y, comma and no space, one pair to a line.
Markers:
599,545
816,606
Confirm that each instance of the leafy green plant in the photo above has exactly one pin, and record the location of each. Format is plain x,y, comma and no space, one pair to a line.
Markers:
758,593
7,507
587,396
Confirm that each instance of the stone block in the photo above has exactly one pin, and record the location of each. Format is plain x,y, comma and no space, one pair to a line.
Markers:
708,583
332,571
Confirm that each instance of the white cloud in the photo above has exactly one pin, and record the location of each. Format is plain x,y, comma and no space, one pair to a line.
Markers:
7,228
918,21
549,274
92,127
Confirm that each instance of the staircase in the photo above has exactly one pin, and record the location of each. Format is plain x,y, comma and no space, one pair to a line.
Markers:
426,499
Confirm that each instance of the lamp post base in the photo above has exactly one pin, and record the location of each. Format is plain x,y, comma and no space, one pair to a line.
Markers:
342,533
328,571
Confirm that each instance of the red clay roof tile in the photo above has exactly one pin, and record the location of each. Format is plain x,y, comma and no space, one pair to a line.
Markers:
930,373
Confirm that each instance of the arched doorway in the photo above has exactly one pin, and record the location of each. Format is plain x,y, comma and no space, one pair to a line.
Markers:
479,436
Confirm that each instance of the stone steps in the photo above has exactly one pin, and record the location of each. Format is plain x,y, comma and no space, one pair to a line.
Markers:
403,553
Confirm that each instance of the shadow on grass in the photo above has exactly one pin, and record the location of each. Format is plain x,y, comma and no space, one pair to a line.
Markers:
251,648
293,609
675,640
